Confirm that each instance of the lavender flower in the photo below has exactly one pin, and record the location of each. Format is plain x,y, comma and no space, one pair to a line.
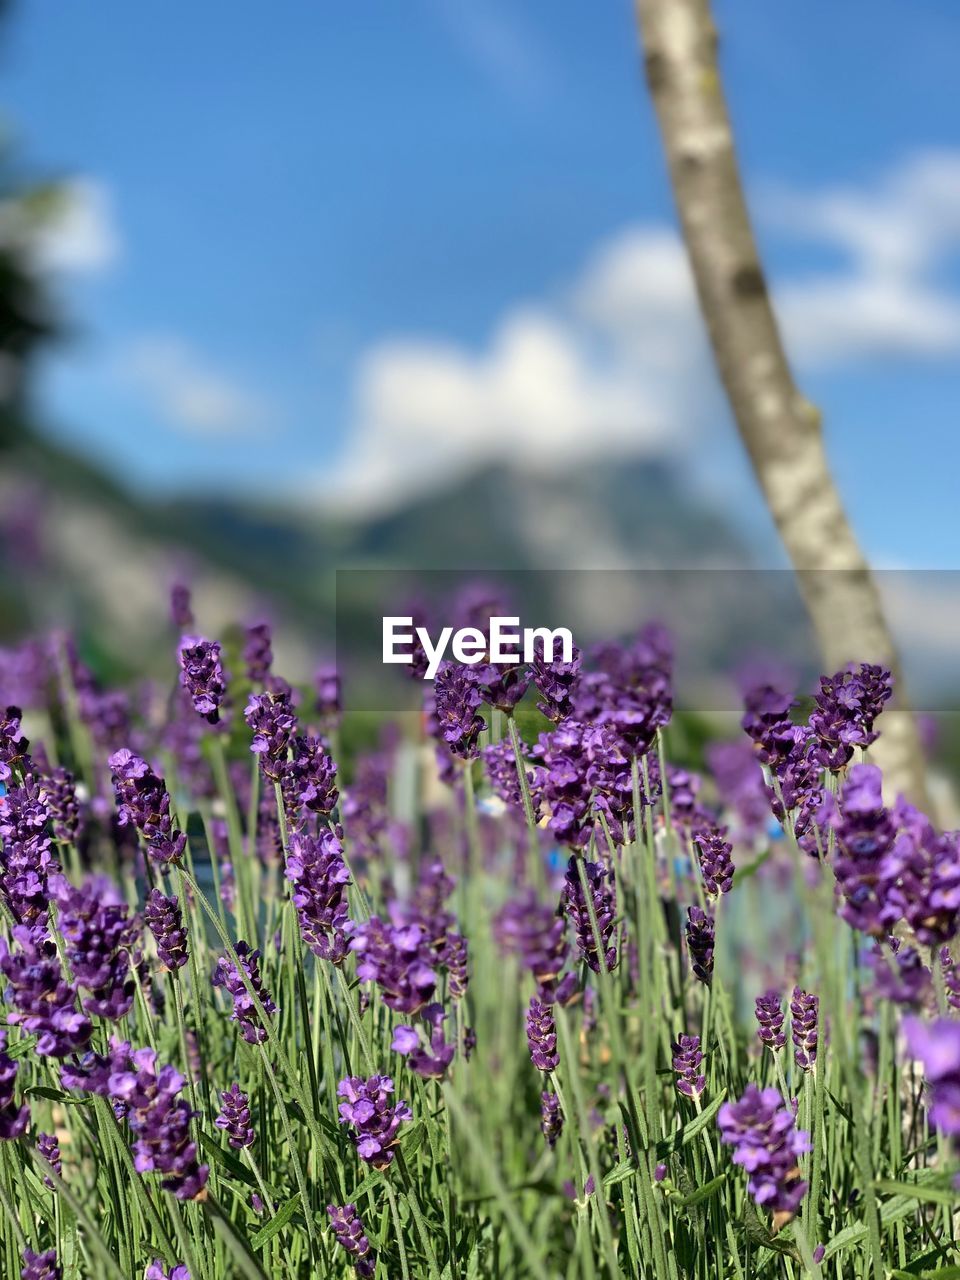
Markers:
245,1012
28,857
603,903
316,869
453,957
40,1266
501,766
864,835
766,1142
375,1122
143,802
273,723
326,685
49,1148
951,978
181,611
155,1271
937,1045
352,1237
716,861
59,792
769,1010
44,1003
201,674
165,921
555,682
13,1119
551,1118
399,959
431,1060
538,936
847,705
804,1012
456,699
310,780
902,977
542,1036
740,783
687,1063
700,942
501,686
257,652
234,1119
101,943
13,745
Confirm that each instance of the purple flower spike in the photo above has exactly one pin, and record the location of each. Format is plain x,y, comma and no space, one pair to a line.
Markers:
375,1122
44,1003
804,1012
769,1009
155,1271
310,779
556,683
537,935
687,1061
201,674
101,943
326,686
847,705
700,942
399,959
352,1237
768,1145
165,921
432,1060
40,1266
181,610
49,1148
456,701
245,1012
937,1045
13,1119
274,723
319,876
234,1119
13,745
551,1118
542,1036
575,907
59,792
143,802
865,833
716,860
28,856
257,652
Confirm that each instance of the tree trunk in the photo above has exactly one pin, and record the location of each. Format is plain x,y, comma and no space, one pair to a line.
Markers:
779,428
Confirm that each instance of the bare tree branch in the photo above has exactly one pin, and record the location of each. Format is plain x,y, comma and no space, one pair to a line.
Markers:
780,429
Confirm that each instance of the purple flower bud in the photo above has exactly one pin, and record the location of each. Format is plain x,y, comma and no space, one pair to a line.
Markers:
102,943
399,959
40,1266
660,1173
456,699
13,1119
687,1061
234,1119
155,1271
181,611
28,857
538,936
769,1009
245,1012
310,777
44,1003
352,1237
804,1012
716,860
700,942
257,652
165,921
542,1036
575,906
326,685
319,876
551,1118
13,745
431,1060
366,1107
847,705
49,1148
144,803
555,682
273,723
201,674
59,793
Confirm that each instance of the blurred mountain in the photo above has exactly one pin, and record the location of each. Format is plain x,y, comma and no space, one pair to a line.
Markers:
79,547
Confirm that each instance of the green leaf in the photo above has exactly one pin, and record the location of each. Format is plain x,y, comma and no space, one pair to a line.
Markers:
277,1223
21,1047
701,1193
681,1137
928,1192
412,1140
226,1159
55,1095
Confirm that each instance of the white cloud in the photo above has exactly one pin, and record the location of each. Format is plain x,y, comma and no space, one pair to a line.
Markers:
888,298
616,362
609,367
80,234
188,392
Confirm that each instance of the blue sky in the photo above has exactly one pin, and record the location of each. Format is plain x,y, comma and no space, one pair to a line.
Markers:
325,249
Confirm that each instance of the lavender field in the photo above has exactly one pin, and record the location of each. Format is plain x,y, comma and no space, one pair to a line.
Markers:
478,1002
